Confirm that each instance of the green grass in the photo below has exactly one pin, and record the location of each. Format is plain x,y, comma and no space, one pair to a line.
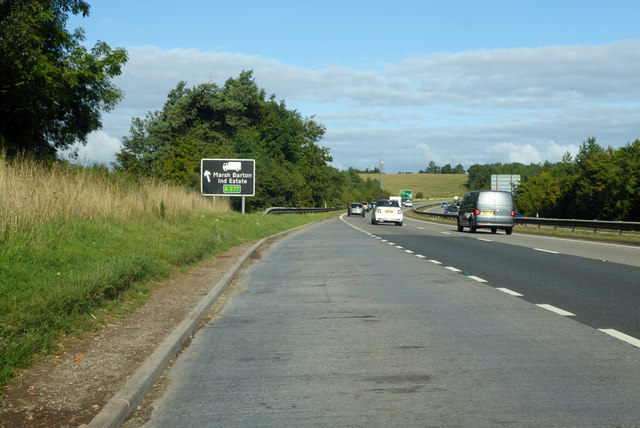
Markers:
59,282
432,186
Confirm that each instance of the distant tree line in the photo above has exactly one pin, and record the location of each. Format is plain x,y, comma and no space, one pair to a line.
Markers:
599,184
375,170
432,168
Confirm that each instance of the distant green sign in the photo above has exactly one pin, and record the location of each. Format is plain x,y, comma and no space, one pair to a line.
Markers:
406,194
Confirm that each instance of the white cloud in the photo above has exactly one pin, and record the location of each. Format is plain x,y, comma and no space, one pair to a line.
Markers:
507,105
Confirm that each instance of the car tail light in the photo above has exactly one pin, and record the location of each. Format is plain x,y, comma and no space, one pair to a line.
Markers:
477,212
379,210
399,211
513,213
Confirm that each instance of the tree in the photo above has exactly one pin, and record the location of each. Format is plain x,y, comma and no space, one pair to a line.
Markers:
234,121
52,89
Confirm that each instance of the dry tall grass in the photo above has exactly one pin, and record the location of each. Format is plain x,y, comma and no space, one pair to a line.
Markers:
34,194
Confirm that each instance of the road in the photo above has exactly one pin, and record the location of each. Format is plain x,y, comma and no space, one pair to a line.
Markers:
337,327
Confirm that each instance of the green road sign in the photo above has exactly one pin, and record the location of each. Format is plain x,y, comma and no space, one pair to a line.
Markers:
406,194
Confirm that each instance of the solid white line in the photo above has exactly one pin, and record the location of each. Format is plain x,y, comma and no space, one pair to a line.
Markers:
546,251
451,268
436,262
511,292
615,333
475,278
556,310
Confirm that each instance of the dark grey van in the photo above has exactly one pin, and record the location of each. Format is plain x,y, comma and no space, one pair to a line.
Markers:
486,209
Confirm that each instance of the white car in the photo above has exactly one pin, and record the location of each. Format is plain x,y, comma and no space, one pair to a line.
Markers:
387,212
408,203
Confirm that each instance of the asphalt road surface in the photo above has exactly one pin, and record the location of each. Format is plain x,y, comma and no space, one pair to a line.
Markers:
339,326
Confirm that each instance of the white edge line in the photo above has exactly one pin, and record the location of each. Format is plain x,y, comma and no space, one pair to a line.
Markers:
511,292
625,338
546,251
556,310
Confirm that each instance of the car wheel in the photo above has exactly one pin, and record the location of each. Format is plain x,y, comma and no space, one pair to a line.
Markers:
509,231
460,226
362,214
494,229
472,228
399,223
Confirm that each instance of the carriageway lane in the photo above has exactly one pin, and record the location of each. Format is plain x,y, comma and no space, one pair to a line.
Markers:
333,327
565,274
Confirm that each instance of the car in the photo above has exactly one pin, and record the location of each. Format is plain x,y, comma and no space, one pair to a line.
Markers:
408,203
372,205
387,211
491,209
444,205
355,208
451,209
365,205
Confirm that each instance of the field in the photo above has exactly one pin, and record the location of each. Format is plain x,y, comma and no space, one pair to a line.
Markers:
432,186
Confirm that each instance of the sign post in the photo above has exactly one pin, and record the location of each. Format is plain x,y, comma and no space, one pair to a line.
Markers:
228,177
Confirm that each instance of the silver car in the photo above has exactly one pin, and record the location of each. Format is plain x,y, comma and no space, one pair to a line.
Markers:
486,209
355,208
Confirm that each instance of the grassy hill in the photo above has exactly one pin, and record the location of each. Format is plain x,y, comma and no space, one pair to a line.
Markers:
432,186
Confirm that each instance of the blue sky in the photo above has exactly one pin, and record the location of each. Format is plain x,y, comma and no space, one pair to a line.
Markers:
405,81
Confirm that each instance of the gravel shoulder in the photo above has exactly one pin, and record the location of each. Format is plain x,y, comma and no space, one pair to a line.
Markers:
70,389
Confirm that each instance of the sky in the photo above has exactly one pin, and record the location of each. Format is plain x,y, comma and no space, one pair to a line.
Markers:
404,82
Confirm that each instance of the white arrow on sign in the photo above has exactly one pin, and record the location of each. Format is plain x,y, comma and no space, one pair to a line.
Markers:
208,175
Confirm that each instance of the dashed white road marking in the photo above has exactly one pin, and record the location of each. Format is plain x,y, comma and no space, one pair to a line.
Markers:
435,262
475,278
511,292
556,310
453,269
484,239
421,228
409,251
421,256
546,251
446,233
618,335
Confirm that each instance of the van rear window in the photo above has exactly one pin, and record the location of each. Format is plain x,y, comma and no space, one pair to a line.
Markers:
500,198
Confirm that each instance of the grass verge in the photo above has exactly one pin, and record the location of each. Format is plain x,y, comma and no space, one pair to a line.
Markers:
76,242
58,284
